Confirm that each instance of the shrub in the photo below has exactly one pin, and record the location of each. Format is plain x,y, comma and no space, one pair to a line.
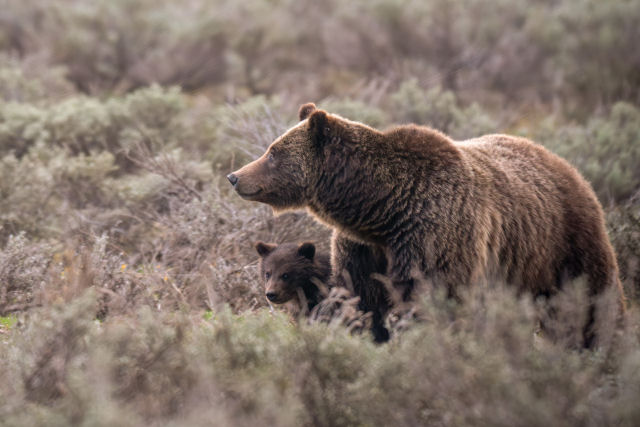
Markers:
26,205
596,55
606,151
237,133
440,110
23,271
21,126
624,229
85,125
356,110
575,53
121,45
474,363
22,85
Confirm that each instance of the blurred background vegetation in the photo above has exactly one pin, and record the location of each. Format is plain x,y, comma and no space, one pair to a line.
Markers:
128,283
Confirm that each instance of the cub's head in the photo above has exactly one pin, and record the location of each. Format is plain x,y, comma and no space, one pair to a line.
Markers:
285,268
285,175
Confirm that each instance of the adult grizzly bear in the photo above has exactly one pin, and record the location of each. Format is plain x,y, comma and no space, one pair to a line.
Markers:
412,203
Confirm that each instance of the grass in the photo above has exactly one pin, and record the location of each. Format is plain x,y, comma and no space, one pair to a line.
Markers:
8,322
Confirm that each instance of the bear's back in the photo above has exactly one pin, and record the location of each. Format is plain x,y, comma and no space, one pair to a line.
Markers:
542,212
525,171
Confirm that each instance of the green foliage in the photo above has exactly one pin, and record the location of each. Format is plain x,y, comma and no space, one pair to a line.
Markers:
25,190
440,110
78,153
472,364
20,127
601,35
235,134
606,151
83,125
542,50
8,321
23,269
624,230
18,85
122,45
128,279
356,110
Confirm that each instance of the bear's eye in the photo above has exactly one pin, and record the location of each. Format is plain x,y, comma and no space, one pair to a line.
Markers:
267,274
285,276
270,156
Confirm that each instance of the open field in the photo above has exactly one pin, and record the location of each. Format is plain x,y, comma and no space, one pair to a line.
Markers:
129,291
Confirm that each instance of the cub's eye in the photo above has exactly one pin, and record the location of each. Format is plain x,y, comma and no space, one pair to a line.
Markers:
267,274
285,276
270,156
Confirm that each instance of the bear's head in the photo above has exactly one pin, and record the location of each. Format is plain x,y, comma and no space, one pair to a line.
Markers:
285,269
286,174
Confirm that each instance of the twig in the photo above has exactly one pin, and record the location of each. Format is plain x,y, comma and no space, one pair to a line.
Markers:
165,168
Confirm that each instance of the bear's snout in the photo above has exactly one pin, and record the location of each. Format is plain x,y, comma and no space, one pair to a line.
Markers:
272,296
248,181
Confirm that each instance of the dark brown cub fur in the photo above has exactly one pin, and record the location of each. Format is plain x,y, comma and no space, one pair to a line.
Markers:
292,271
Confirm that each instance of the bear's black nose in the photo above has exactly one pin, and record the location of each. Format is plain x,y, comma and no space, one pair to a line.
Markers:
271,296
232,179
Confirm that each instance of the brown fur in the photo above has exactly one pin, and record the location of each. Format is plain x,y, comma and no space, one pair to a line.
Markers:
410,202
292,272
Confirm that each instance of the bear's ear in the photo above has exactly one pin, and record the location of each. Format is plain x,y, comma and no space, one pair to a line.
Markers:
325,129
307,250
318,122
306,110
265,249
319,126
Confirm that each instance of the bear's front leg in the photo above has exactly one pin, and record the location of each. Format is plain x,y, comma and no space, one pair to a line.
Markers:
352,265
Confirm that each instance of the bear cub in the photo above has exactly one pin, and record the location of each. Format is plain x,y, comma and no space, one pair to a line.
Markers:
292,272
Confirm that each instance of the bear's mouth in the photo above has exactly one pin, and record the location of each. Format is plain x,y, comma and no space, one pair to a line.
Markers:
249,196
279,300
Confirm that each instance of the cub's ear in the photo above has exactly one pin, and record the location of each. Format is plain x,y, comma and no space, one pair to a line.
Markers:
306,110
307,250
265,249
